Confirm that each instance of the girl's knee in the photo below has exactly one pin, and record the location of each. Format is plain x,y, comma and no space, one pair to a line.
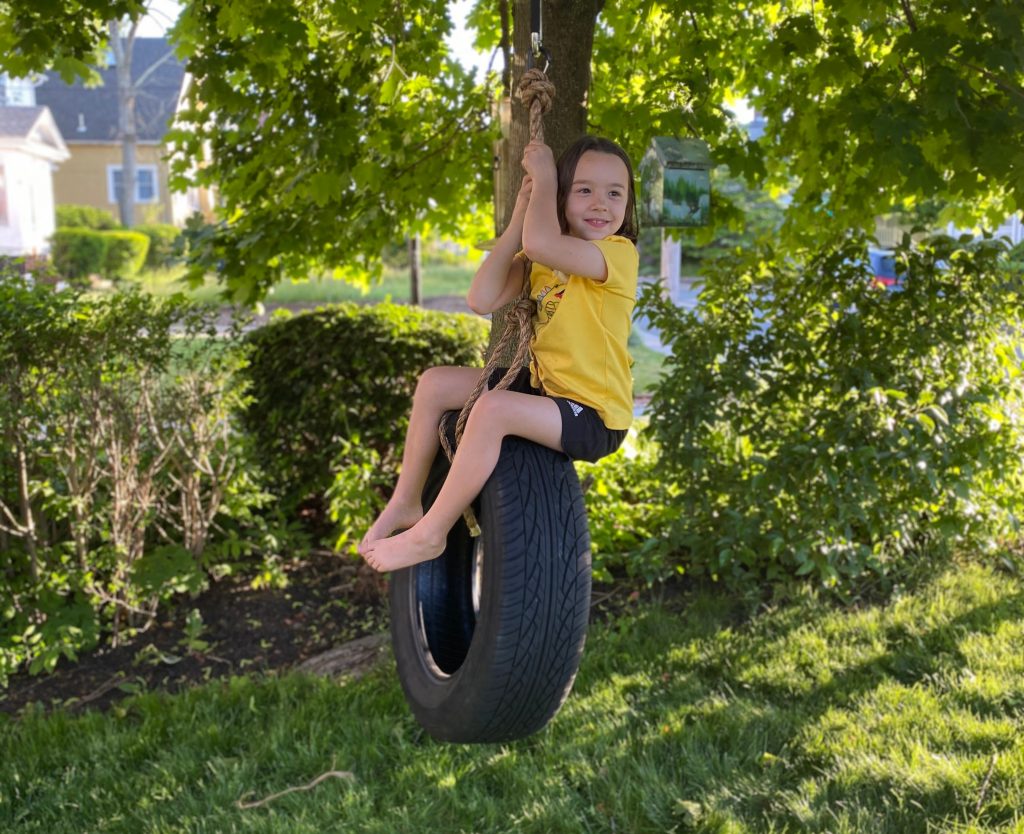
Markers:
431,382
490,409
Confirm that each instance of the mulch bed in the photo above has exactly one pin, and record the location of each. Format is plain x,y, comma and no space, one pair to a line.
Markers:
328,601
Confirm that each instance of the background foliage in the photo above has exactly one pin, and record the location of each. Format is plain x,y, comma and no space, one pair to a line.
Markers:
121,472
817,425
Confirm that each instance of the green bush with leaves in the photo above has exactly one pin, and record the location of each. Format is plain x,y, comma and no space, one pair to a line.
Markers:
78,253
321,378
163,244
628,507
123,477
818,426
125,255
85,217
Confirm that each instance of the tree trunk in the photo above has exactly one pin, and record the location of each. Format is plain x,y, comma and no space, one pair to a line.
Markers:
568,30
122,48
415,271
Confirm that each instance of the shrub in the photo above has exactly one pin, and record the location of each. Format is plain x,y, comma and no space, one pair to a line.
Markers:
321,378
163,244
628,507
817,426
123,477
85,217
78,253
126,254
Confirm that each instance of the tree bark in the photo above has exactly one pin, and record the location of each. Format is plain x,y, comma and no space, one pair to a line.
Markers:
568,31
122,48
415,271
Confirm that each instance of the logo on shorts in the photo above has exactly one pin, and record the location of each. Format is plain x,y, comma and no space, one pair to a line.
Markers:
576,408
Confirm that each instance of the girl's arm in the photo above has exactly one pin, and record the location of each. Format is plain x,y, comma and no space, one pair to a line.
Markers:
543,240
499,280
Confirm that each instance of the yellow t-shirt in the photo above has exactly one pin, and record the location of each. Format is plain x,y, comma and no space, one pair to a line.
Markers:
581,333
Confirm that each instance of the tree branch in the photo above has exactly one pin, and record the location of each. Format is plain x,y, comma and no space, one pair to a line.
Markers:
908,13
995,79
159,62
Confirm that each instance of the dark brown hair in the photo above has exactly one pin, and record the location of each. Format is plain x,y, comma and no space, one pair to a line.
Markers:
567,163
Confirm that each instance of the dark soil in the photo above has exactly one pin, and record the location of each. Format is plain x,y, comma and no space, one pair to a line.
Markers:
329,600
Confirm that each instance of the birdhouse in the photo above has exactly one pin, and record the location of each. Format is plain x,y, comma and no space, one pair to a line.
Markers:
675,183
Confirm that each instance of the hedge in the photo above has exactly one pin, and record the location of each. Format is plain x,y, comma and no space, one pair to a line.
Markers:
115,254
78,253
126,254
338,373
163,240
85,217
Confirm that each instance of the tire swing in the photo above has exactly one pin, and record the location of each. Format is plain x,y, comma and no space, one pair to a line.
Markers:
488,636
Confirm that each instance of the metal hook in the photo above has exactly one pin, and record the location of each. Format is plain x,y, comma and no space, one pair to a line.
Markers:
538,50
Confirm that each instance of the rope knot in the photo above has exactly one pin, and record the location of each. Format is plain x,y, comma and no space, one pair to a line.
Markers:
526,306
536,93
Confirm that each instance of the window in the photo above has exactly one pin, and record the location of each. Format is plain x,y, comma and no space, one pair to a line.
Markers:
145,184
3,196
17,92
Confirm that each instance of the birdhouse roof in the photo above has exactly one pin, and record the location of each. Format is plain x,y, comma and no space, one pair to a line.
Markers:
681,153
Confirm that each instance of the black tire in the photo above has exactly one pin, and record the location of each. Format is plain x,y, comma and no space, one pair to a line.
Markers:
487,647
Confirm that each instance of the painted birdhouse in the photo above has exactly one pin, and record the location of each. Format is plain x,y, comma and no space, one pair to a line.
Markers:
675,183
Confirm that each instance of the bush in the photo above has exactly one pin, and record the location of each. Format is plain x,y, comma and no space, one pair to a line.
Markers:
163,244
123,476
85,217
628,507
78,253
817,426
321,378
126,254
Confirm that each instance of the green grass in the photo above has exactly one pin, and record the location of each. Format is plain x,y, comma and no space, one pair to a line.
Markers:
438,279
897,718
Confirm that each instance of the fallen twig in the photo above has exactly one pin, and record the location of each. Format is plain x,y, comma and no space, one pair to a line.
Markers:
335,774
111,683
985,784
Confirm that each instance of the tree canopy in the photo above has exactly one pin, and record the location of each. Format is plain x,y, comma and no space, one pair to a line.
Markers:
36,35
334,128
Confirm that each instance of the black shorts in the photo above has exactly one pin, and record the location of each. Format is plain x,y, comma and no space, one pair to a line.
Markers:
584,435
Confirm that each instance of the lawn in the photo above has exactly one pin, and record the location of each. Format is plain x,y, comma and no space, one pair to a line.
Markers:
438,280
687,715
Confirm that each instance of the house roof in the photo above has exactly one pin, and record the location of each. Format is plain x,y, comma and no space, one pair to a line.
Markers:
89,114
32,130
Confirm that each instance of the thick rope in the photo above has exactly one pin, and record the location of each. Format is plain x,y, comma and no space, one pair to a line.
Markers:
536,93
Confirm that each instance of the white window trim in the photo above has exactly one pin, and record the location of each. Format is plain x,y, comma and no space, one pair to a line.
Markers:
112,191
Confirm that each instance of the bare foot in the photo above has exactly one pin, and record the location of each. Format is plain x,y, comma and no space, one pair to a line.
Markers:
393,517
409,548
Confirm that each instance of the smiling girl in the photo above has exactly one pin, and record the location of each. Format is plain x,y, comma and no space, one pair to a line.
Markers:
574,227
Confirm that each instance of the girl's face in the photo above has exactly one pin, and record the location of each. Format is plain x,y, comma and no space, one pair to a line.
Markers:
596,203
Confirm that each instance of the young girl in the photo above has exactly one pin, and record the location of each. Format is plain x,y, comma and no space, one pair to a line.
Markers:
577,224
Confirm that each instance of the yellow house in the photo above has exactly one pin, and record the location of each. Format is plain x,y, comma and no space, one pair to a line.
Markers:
88,120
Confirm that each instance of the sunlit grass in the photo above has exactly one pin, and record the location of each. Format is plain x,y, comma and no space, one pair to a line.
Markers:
437,280
904,717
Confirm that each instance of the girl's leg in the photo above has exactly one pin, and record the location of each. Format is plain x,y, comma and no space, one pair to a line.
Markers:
495,415
438,390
